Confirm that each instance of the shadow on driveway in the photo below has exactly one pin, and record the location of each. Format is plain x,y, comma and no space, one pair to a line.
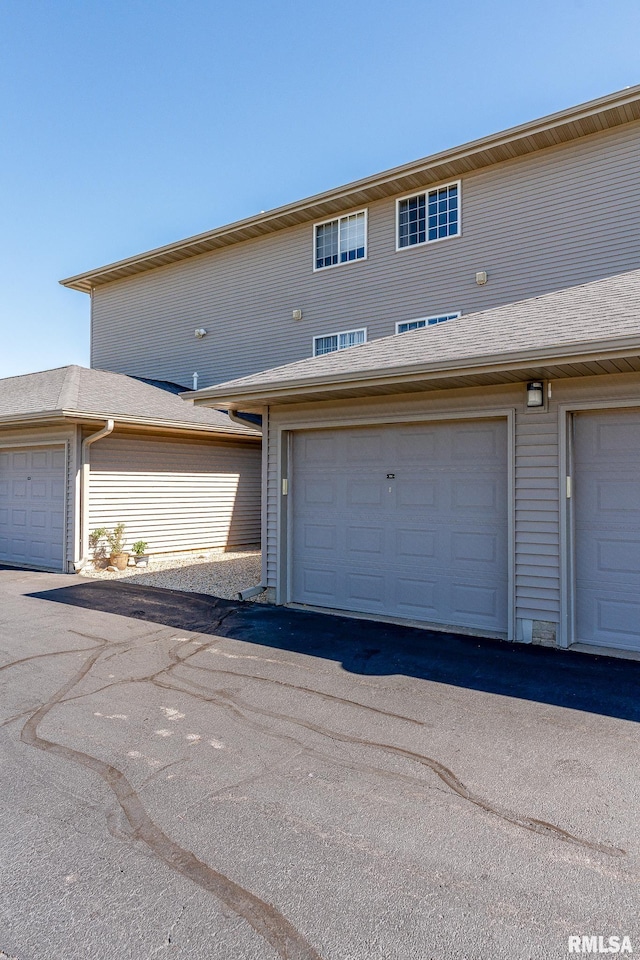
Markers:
596,684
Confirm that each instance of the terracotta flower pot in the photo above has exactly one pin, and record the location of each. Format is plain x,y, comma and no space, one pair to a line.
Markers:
119,560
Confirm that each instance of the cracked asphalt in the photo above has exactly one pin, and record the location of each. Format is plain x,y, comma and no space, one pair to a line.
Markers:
187,777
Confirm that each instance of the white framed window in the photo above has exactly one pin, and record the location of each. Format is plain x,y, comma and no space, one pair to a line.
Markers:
406,325
338,341
340,241
429,216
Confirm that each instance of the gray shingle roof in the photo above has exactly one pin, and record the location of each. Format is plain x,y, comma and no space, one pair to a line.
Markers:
604,310
78,391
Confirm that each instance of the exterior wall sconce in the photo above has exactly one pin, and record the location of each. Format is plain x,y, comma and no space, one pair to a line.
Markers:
199,333
535,394
481,277
297,314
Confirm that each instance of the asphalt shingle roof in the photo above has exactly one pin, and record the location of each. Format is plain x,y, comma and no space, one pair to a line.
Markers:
80,391
591,312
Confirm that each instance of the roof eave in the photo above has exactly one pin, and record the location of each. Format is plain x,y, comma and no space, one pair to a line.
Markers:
364,190
77,416
286,391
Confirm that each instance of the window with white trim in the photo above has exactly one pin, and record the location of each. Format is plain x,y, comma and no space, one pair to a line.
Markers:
340,241
424,322
338,341
432,215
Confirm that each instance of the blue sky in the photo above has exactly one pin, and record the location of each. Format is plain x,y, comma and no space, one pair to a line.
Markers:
126,125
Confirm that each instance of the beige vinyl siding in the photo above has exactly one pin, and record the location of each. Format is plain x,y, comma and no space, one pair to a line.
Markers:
176,495
536,515
566,215
66,437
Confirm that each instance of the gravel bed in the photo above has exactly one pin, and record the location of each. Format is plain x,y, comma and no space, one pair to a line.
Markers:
212,571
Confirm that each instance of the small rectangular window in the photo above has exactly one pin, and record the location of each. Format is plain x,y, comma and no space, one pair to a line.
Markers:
341,240
424,322
338,341
432,215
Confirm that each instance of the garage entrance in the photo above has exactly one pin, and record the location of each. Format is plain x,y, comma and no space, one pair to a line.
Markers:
32,496
409,520
607,528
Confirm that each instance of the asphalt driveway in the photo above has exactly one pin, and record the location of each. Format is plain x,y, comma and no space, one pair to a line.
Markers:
186,777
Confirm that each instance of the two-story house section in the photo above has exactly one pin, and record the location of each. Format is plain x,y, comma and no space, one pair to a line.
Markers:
537,208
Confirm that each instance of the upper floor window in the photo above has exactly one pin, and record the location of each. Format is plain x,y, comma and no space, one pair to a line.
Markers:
424,322
340,240
338,341
432,215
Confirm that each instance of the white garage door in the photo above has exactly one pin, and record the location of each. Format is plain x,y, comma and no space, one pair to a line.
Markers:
607,528
406,520
32,506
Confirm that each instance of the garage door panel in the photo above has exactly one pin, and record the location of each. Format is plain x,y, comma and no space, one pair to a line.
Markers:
319,536
618,497
416,493
476,442
365,540
364,492
415,543
364,449
428,542
474,600
474,547
607,528
32,493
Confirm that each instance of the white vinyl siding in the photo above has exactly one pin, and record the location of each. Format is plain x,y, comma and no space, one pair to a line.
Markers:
405,325
176,495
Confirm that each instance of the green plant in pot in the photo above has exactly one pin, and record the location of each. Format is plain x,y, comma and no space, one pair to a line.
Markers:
114,545
139,555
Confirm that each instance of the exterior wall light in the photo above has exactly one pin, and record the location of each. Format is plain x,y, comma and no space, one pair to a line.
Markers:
481,277
535,396
199,333
297,314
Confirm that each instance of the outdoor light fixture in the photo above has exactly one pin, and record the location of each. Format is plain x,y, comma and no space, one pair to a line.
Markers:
535,396
481,277
200,332
297,314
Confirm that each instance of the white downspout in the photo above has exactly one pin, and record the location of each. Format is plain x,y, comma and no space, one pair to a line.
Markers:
84,491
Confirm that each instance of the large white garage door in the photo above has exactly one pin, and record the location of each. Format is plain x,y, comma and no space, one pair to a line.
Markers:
607,528
406,520
32,506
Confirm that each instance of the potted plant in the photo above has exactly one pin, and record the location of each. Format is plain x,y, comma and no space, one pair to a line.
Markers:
117,556
140,557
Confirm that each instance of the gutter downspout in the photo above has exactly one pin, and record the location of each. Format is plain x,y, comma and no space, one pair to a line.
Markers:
232,413
84,491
